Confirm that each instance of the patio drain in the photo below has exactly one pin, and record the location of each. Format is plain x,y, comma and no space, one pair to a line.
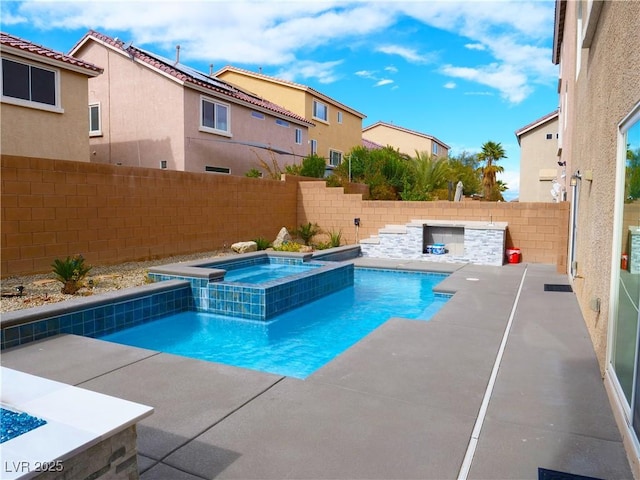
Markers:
556,287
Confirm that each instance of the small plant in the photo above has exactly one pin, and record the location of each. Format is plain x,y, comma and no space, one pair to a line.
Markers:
71,273
288,247
335,238
262,243
253,173
307,231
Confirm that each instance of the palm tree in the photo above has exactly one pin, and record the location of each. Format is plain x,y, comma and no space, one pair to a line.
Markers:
491,153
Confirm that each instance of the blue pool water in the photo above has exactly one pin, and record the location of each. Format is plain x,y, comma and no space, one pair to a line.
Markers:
300,341
263,273
13,424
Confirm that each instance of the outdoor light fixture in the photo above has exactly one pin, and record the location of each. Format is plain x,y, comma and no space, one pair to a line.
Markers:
562,164
356,222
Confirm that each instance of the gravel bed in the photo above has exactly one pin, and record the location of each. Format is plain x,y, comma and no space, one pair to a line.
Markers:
44,289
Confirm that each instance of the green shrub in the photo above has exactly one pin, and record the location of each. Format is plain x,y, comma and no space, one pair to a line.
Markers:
71,273
262,243
253,173
335,238
307,231
288,247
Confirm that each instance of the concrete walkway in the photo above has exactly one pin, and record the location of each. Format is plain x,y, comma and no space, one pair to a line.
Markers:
482,391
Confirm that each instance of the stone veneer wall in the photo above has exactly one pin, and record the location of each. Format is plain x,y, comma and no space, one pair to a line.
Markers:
114,458
481,246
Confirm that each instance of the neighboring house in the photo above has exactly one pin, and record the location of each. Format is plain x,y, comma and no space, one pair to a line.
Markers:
152,112
337,128
406,141
43,109
597,46
369,145
542,179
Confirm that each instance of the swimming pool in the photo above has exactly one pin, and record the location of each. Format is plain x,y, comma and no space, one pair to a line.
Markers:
298,342
266,272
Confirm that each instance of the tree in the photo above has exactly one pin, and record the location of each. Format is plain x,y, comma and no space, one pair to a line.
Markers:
426,177
491,153
464,168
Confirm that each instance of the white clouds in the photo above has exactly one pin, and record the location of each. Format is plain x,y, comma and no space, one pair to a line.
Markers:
450,85
287,35
384,81
408,54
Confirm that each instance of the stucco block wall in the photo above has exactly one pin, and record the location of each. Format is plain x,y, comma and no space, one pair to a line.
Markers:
109,214
40,133
538,229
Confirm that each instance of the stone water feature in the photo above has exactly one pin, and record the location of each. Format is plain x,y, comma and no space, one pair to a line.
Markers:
480,243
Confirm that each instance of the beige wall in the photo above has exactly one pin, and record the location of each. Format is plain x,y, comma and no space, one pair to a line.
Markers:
147,117
329,135
538,158
604,92
40,133
406,142
110,214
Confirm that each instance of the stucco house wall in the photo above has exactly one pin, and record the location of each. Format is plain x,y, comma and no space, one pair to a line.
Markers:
539,163
61,132
329,134
406,141
151,114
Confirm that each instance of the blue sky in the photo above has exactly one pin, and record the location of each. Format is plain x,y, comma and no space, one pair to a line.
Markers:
464,72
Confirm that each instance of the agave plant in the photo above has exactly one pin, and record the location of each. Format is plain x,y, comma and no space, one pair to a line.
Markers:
307,231
71,273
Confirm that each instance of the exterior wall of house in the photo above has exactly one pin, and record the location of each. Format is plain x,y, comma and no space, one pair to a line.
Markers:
406,142
33,132
599,89
141,112
330,135
108,213
539,163
210,149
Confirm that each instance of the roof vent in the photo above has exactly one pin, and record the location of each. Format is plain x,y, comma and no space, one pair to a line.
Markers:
211,69
177,54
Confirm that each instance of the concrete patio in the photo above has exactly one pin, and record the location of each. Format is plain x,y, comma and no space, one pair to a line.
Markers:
413,399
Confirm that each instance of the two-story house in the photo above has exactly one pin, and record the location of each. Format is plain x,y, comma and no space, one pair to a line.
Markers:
542,176
337,127
43,107
154,112
406,141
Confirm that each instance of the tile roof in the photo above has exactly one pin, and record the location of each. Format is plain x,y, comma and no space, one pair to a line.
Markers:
536,123
298,86
406,130
193,77
370,145
12,44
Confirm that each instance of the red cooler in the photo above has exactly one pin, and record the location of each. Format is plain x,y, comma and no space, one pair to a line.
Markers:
513,255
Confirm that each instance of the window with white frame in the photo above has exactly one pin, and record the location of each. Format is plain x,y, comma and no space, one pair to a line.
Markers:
214,116
257,115
335,158
339,117
320,111
282,123
298,136
29,85
434,148
95,123
314,147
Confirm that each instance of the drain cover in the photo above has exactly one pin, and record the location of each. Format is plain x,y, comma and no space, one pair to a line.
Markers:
557,287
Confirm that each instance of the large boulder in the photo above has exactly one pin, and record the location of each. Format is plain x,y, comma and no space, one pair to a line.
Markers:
283,237
244,247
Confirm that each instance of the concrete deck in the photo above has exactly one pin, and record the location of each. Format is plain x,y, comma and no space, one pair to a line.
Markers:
410,400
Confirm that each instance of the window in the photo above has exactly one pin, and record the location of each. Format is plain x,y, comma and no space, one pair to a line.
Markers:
95,126
320,110
163,164
549,136
209,168
314,147
339,117
28,83
298,136
434,148
282,123
257,115
215,117
335,158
